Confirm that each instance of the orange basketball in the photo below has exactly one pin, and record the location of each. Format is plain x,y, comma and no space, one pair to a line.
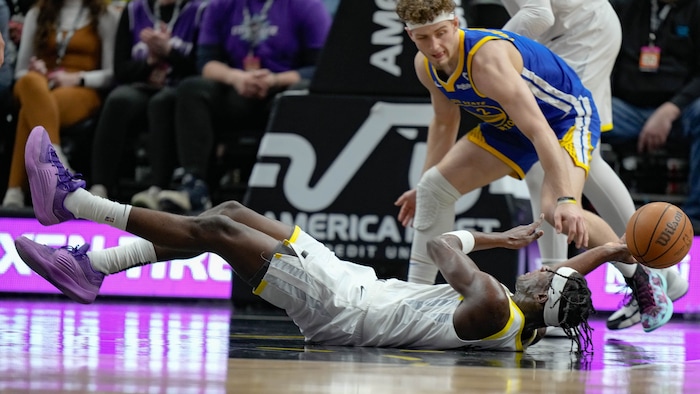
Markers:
659,234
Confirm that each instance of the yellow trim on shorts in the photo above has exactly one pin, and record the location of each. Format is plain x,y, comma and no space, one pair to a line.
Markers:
258,290
606,127
567,143
475,136
295,234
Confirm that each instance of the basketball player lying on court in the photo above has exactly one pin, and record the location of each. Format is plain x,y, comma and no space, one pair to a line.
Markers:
332,302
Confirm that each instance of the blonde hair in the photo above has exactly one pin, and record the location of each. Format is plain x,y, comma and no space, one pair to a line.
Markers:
423,11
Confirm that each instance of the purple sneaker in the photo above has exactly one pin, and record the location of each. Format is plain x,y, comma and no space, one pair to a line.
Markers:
67,268
49,181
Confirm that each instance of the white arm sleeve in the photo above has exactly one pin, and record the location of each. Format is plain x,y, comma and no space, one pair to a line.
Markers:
530,18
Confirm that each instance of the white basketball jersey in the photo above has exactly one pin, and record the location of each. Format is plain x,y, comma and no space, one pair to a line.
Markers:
336,302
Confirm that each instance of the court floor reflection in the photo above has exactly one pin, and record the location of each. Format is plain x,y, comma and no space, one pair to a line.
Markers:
61,346
44,345
675,343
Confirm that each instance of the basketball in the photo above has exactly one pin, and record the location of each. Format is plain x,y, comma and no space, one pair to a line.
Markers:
659,234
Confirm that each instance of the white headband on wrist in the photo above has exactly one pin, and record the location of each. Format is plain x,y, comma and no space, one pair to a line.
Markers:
467,239
444,16
551,307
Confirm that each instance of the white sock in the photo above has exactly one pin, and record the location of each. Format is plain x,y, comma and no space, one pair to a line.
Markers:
123,257
84,205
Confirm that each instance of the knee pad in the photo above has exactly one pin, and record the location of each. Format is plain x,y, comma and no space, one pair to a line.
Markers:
434,195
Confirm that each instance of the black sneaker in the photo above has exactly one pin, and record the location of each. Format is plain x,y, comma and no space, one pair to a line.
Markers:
191,196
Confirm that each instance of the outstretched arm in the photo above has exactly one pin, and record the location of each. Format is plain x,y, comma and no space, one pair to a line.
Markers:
450,253
515,238
591,259
496,68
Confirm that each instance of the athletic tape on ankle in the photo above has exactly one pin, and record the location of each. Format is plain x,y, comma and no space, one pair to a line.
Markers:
551,307
467,239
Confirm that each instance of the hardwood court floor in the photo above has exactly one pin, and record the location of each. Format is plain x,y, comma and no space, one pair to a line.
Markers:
57,346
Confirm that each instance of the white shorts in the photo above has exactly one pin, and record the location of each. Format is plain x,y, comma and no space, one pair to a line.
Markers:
324,296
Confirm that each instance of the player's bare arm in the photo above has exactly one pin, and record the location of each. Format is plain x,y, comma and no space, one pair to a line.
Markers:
443,129
484,297
586,262
516,238
495,72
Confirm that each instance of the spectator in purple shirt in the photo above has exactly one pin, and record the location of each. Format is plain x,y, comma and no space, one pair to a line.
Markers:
248,51
154,50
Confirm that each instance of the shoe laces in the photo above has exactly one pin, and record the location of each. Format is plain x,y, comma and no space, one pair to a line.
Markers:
77,251
628,300
65,177
644,293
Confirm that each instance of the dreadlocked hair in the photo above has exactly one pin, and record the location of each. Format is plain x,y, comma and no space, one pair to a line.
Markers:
422,11
575,306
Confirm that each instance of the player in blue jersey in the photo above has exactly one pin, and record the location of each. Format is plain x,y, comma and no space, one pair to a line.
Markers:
587,35
533,108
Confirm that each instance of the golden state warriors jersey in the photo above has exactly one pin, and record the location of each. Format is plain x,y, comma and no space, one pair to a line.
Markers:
566,104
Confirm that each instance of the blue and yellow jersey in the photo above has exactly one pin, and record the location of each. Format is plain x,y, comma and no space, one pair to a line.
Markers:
566,104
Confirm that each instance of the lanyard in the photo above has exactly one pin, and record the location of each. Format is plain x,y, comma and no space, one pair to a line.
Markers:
256,23
173,18
656,19
63,37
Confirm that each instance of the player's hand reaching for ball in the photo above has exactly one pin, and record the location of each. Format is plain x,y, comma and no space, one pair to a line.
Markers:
620,252
569,220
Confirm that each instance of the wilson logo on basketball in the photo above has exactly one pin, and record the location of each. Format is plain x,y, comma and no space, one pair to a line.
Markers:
659,234
666,235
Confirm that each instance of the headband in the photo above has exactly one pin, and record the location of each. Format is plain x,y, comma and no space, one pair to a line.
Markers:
444,16
551,309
